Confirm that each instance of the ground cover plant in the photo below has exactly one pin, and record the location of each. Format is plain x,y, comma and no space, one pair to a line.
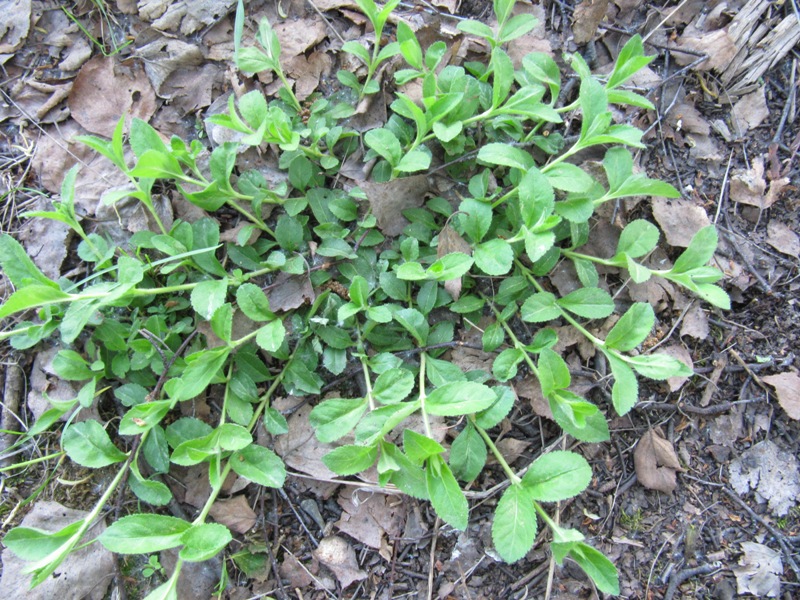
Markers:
390,306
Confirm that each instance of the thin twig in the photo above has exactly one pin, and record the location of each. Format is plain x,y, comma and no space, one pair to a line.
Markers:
432,562
679,577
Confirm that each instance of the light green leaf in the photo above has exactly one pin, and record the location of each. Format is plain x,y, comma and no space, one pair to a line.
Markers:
18,267
494,257
450,266
270,337
143,534
253,302
601,570
505,364
416,160
590,303
514,526
699,252
467,454
385,143
349,460
336,417
204,541
419,448
208,296
638,238
568,177
88,444
658,366
632,328
459,398
556,476
540,307
393,385
260,465
31,296
625,392
446,496
504,155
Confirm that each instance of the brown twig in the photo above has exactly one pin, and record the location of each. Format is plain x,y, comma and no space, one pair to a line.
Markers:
679,577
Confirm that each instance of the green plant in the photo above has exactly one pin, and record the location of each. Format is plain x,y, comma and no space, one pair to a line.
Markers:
132,324
153,567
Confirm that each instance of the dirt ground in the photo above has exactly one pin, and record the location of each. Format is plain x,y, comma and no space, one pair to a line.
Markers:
695,496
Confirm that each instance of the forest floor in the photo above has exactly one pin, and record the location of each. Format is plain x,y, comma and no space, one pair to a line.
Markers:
696,494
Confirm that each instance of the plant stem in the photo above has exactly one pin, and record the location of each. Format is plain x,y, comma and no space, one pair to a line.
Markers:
512,477
423,396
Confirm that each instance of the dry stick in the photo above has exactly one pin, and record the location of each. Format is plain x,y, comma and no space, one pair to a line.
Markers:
327,21
281,590
781,539
12,392
432,562
790,100
762,283
664,20
299,518
679,577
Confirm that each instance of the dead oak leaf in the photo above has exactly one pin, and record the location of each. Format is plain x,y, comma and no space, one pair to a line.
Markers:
787,388
335,553
783,238
656,462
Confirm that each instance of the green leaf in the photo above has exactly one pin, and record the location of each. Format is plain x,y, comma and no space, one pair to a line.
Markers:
713,294
536,198
418,447
88,444
19,268
143,417
349,460
274,422
594,104
630,60
459,398
157,165
204,541
143,534
499,410
147,490
504,155
587,272
514,526
539,308
409,46
494,257
201,367
447,133
581,419
408,477
336,417
517,26
71,366
629,98
538,244
31,296
260,465
446,497
450,266
553,372
601,570
556,476
416,160
632,328
393,385
503,76
385,143
505,364
468,454
32,544
699,252
270,337
590,303
638,238
414,322
658,366
208,296
568,177
476,28
625,392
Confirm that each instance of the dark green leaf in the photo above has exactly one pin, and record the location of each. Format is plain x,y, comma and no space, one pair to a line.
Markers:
349,460
143,534
88,444
459,398
591,303
336,417
445,494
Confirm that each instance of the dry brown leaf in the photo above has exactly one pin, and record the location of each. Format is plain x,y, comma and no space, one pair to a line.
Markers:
695,323
748,185
679,220
787,388
84,572
750,111
656,462
535,40
103,91
235,513
511,449
770,472
298,36
587,17
335,553
288,292
295,572
718,45
388,201
300,449
369,517
783,238
15,24
759,571
683,355
188,15
451,241
164,56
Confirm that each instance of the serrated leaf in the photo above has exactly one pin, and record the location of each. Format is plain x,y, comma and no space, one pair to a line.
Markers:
494,257
496,153
505,364
625,392
556,476
514,526
419,448
581,419
18,267
259,465
459,398
601,570
568,177
393,385
553,372
88,444
208,296
253,302
446,496
699,251
590,303
336,417
540,307
632,328
270,337
468,454
204,541
352,459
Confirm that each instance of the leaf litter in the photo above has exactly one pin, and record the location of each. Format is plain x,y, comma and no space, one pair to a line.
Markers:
182,16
